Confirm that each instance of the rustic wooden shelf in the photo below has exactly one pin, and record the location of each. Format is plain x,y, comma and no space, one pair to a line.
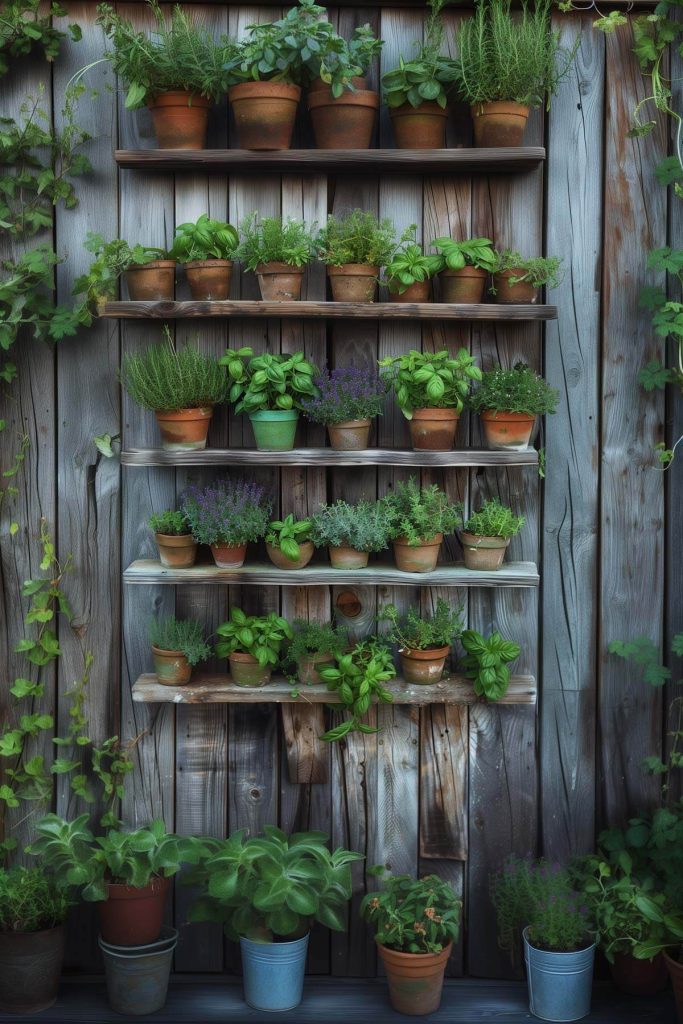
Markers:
327,457
512,574
219,689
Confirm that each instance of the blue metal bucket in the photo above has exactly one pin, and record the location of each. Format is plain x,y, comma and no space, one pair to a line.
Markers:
137,982
559,983
274,973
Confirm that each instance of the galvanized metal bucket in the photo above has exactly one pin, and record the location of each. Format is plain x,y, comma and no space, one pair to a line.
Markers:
274,973
559,983
137,977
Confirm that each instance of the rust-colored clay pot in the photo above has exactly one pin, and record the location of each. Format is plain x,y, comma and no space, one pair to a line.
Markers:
418,291
343,123
279,559
499,124
133,917
309,668
180,120
279,282
422,127
420,557
507,431
348,558
415,979
176,552
521,292
423,667
484,554
675,969
172,669
209,280
151,282
351,436
433,430
639,977
229,556
264,113
463,286
354,282
246,671
184,430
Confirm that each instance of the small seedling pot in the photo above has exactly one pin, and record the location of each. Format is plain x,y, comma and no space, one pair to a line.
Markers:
675,969
422,127
522,292
273,973
184,430
420,557
229,556
309,667
264,114
639,977
209,280
499,124
137,978
484,554
279,282
354,282
30,969
176,552
507,431
246,671
343,123
433,430
274,429
415,979
278,558
464,286
351,436
133,917
559,983
423,667
172,667
343,557
180,120
151,282
418,291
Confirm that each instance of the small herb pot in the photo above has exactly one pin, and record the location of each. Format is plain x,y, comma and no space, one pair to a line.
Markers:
180,120
507,431
209,280
418,291
415,979
464,286
274,429
280,282
176,552
422,127
246,671
508,294
484,554
229,556
420,557
499,124
309,667
421,668
172,667
137,978
184,430
346,122
264,114
278,558
559,983
675,969
350,436
639,977
343,557
354,282
273,973
133,917
151,282
30,968
433,430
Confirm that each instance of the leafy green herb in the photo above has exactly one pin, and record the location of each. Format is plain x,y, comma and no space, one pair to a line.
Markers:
516,390
206,239
287,535
432,380
29,901
473,252
536,271
171,524
261,636
414,915
268,381
419,513
357,237
363,526
358,679
486,662
417,632
494,520
409,263
429,76
166,378
27,25
272,240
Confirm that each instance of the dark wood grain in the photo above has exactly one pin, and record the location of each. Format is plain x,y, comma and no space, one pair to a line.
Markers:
327,457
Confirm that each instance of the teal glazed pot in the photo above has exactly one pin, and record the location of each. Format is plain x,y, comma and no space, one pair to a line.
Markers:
274,973
274,429
560,984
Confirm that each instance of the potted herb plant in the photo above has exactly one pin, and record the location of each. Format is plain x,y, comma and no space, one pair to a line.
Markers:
424,641
354,247
227,515
343,111
177,546
288,542
206,249
506,65
417,520
486,535
312,648
486,662
252,643
508,402
464,268
518,280
409,272
177,646
277,252
358,679
268,891
350,532
181,386
149,272
431,388
348,399
416,922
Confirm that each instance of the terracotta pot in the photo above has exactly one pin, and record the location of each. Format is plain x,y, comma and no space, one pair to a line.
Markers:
422,127
343,123
499,124
354,282
172,669
433,430
229,556
507,431
180,120
423,667
209,280
351,436
282,562
343,557
133,917
639,977
176,552
30,968
151,282
420,557
485,554
279,282
317,84
675,969
309,666
513,294
463,286
184,430
246,671
418,291
415,979
264,113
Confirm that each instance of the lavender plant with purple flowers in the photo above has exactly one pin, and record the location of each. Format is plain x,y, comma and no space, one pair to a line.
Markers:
227,512
346,393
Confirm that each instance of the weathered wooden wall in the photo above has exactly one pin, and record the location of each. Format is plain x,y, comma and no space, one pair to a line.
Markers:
440,790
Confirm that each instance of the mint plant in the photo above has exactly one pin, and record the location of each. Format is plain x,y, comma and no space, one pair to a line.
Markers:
358,679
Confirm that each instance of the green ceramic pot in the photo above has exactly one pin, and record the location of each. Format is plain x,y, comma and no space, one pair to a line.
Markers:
274,429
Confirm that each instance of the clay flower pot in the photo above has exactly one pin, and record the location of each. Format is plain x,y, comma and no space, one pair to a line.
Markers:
179,120
422,127
133,917
343,557
513,294
184,430
176,552
343,123
415,979
420,557
351,436
423,667
30,969
172,669
279,559
463,286
418,291
639,977
354,282
675,969
433,430
507,431
484,554
279,282
229,556
264,113
209,280
310,666
151,282
499,124
246,671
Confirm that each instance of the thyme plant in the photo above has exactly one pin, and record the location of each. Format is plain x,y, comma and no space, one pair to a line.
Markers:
415,631
171,523
419,513
166,378
517,390
30,901
272,240
186,635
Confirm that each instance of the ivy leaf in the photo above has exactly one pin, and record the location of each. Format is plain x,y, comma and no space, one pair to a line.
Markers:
103,443
654,376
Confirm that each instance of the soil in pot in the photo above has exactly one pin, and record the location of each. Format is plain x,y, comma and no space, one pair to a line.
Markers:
209,280
420,557
279,282
274,429
507,431
180,120
264,114
675,969
344,123
176,552
282,562
351,436
484,554
229,556
499,124
418,291
246,671
30,969
133,917
463,286
422,127
433,430
172,669
343,557
151,282
522,292
310,666
354,282
415,979
184,430
639,977
423,667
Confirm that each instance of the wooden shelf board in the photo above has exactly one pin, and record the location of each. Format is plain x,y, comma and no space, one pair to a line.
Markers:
327,457
219,689
512,574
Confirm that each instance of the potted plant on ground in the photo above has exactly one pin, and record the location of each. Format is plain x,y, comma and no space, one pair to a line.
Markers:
355,247
506,65
342,109
227,515
271,388
177,546
312,648
32,915
347,401
416,922
424,641
149,272
350,532
431,388
177,646
206,249
518,280
464,268
288,542
358,678
486,535
486,662
181,386
278,253
417,520
508,402
252,643
268,891
409,272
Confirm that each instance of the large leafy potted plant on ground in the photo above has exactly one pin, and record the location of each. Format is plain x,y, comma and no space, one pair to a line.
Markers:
508,402
358,679
181,386
464,268
177,646
252,645
149,272
227,515
343,111
355,247
350,532
268,891
486,535
486,662
177,546
424,641
206,249
312,648
277,252
417,519
288,542
347,401
517,279
431,388
416,922
409,272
